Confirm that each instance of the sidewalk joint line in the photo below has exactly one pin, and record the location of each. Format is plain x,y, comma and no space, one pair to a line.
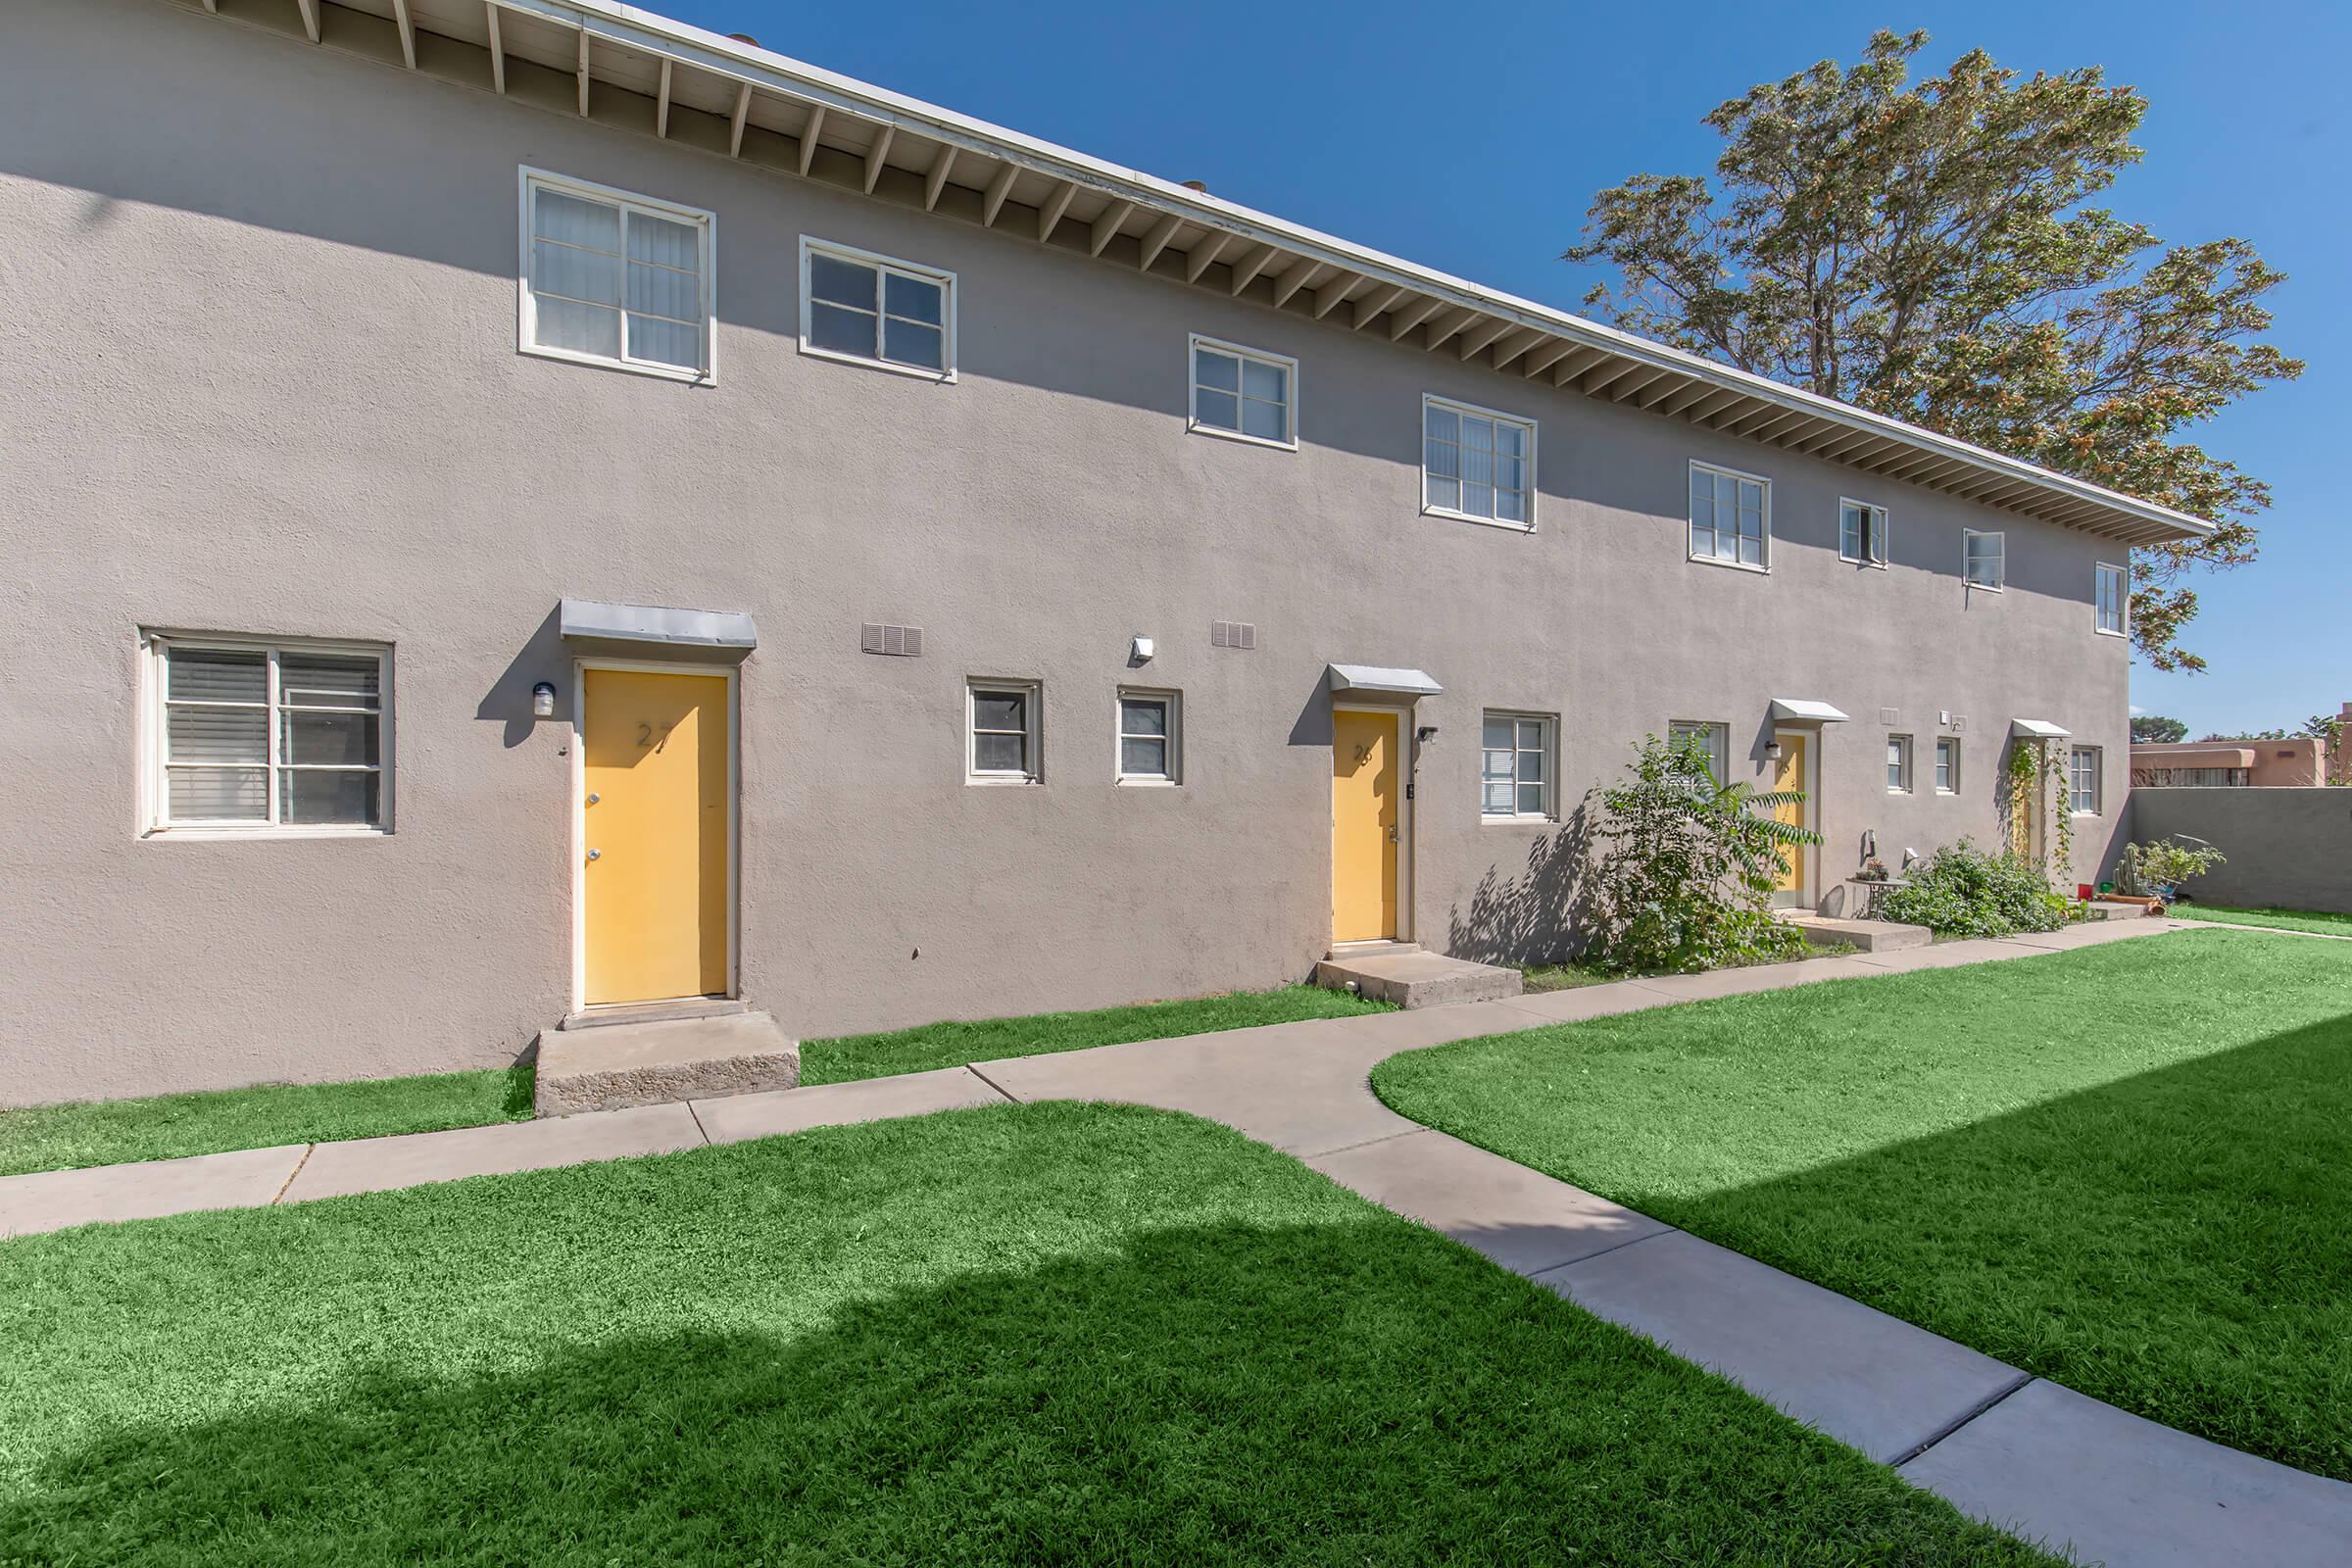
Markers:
694,1112
1613,1246
306,1150
1981,1408
974,1069
1350,1149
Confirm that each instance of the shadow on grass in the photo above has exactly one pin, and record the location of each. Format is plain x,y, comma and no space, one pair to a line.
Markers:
1344,1393
2177,1242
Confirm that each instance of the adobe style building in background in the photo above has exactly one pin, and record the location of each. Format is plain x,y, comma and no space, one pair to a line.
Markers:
525,508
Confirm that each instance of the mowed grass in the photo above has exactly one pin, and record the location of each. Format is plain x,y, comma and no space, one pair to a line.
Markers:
951,1045
2327,925
2122,1167
1039,1334
169,1126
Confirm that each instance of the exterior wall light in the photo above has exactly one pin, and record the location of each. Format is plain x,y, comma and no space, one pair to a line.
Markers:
1425,734
1141,651
543,700
1772,750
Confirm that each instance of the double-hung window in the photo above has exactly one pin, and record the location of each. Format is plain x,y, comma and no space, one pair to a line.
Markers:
1000,722
1246,394
1476,464
2082,780
1148,737
1515,768
1984,558
872,309
1717,741
1948,764
2111,600
1898,764
256,736
1730,518
616,279
1861,533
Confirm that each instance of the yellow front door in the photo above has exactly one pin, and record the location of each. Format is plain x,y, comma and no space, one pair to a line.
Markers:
1363,826
655,814
1790,773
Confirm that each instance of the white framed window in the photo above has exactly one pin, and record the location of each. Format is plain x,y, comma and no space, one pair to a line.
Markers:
1514,770
2114,602
1730,518
876,311
1476,464
1001,721
1898,764
1984,558
256,736
1716,738
618,279
1948,764
1861,533
2082,780
1151,737
1243,394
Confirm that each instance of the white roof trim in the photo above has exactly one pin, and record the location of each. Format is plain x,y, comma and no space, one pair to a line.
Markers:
1805,710
652,624
2039,729
1375,679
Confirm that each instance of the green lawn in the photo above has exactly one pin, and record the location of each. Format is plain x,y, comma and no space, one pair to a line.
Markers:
951,1045
105,1132
1032,1334
2122,1168
2332,925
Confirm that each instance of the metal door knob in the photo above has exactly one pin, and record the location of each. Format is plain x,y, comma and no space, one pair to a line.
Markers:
596,854
593,797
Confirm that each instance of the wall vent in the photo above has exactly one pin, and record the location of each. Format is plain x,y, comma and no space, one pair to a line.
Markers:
1232,634
1887,715
900,642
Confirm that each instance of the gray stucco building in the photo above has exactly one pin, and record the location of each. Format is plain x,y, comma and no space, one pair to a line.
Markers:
822,456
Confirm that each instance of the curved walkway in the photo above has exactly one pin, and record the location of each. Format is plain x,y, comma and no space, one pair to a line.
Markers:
2017,1450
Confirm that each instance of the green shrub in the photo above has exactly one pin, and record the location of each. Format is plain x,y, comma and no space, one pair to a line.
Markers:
2166,864
1685,881
1963,891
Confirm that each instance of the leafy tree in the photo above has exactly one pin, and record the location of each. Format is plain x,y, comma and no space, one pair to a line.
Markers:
2154,729
1929,251
1685,877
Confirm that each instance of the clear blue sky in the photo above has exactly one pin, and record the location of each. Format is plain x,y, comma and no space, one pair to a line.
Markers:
1473,140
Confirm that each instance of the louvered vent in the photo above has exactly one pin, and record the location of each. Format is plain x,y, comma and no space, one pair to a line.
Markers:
1232,634
900,642
1887,715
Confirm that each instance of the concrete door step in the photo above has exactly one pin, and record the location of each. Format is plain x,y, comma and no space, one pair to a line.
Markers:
1871,936
648,1062
1411,978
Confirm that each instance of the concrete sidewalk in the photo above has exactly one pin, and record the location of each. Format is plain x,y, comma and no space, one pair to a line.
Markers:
2041,1460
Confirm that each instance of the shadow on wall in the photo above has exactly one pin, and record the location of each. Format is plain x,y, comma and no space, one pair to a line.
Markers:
1537,915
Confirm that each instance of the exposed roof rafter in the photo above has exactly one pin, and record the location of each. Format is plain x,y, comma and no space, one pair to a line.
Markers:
1247,273
1107,226
1204,254
1049,217
310,18
811,133
662,101
1156,237
943,163
498,49
877,158
408,32
998,190
1369,307
743,116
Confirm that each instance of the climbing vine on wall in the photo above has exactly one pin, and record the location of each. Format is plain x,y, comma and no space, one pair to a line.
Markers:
2036,777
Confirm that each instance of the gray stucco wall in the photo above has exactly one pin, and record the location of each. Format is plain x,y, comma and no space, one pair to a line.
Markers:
267,382
2288,849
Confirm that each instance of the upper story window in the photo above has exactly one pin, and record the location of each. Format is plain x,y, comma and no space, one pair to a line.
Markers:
2111,599
1898,764
1476,463
1001,721
1147,738
1984,558
2082,780
1731,517
1515,768
1246,394
260,736
1948,764
1715,737
612,279
1861,533
871,310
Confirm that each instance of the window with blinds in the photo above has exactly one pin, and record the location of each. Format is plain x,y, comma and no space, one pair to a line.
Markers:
1730,518
616,279
1515,771
260,736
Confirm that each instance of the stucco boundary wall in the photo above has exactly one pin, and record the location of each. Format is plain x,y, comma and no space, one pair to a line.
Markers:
2287,847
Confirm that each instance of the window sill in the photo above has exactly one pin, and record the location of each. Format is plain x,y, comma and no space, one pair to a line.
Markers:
1982,587
227,830
660,373
1503,523
1483,820
1195,427
2101,631
1127,782
1000,779
1948,794
917,371
1857,561
1732,565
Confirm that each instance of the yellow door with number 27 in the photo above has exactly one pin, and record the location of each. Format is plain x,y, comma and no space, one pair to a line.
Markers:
657,814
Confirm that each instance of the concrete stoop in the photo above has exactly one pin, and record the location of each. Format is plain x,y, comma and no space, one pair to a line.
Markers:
645,1064
1405,974
1870,936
